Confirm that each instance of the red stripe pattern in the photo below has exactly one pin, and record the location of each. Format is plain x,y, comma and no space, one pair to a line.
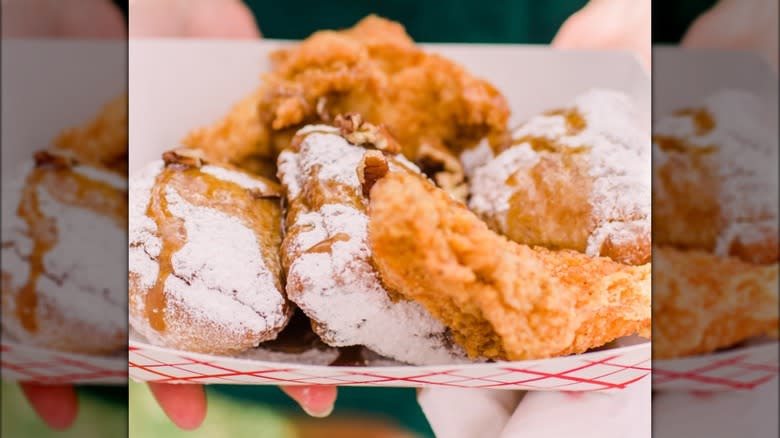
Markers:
605,371
30,364
740,369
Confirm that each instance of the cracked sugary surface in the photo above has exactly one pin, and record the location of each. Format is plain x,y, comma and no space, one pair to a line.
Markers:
81,302
726,153
224,292
501,299
329,269
576,178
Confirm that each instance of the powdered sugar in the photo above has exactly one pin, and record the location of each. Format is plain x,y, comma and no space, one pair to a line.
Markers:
219,275
239,178
472,159
489,191
618,155
746,157
113,179
83,281
339,288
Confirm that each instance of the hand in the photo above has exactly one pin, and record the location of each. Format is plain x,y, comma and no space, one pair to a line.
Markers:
737,24
57,405
609,24
191,19
185,404
57,19
504,414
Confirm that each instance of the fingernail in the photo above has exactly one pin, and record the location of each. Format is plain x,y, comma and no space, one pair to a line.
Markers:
320,414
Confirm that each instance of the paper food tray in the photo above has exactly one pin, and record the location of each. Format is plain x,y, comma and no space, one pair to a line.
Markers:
23,363
178,85
743,368
32,124
698,74
604,370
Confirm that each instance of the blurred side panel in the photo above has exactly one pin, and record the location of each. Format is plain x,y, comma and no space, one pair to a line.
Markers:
64,218
715,218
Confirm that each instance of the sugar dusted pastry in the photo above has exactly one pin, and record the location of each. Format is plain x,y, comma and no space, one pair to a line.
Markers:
715,180
715,223
576,178
330,275
501,299
205,274
63,230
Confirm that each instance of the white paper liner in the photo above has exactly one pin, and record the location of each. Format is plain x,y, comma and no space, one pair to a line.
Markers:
24,363
742,368
604,370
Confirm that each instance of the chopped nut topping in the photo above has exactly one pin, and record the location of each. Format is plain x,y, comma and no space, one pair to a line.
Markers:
184,157
62,159
361,133
372,166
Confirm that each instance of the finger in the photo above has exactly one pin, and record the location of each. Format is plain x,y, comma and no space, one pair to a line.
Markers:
625,412
184,404
99,19
570,34
317,401
481,412
187,18
57,405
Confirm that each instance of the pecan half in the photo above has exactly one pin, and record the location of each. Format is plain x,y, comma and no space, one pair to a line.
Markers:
61,159
185,157
359,132
372,167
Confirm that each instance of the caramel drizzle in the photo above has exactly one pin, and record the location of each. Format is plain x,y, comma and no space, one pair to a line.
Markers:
702,119
575,124
69,188
43,231
173,236
202,190
326,246
703,122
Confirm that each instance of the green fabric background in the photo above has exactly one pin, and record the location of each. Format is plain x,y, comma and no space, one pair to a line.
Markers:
498,21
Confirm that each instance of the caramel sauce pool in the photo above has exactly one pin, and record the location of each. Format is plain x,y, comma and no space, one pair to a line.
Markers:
201,189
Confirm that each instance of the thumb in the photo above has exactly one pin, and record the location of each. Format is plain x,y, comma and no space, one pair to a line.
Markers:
481,412
622,413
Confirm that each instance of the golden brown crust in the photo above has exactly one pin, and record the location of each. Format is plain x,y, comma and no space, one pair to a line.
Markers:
502,300
373,69
702,302
103,141
240,138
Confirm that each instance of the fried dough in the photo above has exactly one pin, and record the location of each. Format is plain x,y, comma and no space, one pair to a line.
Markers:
501,299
